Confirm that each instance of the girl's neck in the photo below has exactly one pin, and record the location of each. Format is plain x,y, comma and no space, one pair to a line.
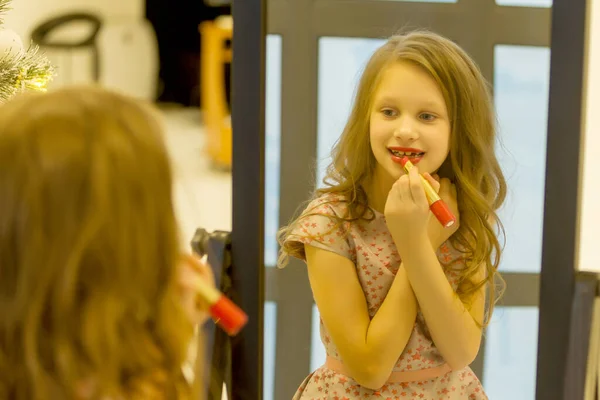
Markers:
377,188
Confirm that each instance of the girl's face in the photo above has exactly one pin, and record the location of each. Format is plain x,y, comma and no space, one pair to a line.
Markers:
409,117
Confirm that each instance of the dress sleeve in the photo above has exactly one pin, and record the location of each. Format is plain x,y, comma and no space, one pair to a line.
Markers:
320,226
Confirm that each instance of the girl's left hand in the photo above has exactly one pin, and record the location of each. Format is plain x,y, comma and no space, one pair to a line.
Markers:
191,269
447,191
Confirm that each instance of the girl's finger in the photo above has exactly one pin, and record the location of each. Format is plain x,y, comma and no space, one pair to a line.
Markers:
435,184
201,265
402,188
416,187
192,270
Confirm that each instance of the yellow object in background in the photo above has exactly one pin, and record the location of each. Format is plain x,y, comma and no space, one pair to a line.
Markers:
216,53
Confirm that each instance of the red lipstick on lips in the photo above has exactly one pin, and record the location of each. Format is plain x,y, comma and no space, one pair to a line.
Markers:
414,158
438,207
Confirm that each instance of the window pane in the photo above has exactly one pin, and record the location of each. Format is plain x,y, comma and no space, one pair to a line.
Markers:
521,97
511,354
521,83
270,336
525,3
272,166
341,61
317,349
272,146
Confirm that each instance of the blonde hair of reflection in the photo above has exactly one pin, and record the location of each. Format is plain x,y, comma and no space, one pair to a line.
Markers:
88,295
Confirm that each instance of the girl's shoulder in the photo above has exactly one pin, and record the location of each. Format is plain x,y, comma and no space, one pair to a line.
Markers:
321,225
332,204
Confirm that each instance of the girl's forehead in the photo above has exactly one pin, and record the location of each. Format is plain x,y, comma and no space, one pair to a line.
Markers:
407,82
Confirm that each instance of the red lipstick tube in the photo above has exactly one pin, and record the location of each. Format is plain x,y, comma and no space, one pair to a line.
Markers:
225,313
437,206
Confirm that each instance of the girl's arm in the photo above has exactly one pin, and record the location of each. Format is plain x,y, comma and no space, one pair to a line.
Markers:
369,348
454,326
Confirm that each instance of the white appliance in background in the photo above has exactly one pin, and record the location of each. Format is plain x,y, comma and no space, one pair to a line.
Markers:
127,56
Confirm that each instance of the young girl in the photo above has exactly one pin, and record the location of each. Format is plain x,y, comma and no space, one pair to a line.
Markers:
95,292
402,299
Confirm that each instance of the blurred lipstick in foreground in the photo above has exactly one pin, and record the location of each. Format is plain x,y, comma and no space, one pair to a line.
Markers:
224,312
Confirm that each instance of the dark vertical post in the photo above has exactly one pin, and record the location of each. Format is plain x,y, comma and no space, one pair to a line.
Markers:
561,200
248,115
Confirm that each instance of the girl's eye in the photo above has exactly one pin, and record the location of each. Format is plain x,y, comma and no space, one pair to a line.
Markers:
388,112
427,117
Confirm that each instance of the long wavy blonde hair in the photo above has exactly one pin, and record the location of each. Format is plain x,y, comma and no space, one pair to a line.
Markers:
472,164
88,249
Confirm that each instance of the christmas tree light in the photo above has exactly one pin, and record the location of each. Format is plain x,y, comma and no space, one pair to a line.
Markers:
20,70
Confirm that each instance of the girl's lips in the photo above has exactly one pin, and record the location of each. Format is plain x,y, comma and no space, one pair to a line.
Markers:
413,159
406,149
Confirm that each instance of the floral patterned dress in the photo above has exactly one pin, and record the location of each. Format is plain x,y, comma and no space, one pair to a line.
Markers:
370,246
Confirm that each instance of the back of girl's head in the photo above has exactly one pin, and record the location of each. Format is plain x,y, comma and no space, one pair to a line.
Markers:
88,245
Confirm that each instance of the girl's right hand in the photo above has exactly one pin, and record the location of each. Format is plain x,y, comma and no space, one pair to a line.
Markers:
407,211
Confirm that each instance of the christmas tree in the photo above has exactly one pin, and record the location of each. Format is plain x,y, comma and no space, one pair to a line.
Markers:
20,70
